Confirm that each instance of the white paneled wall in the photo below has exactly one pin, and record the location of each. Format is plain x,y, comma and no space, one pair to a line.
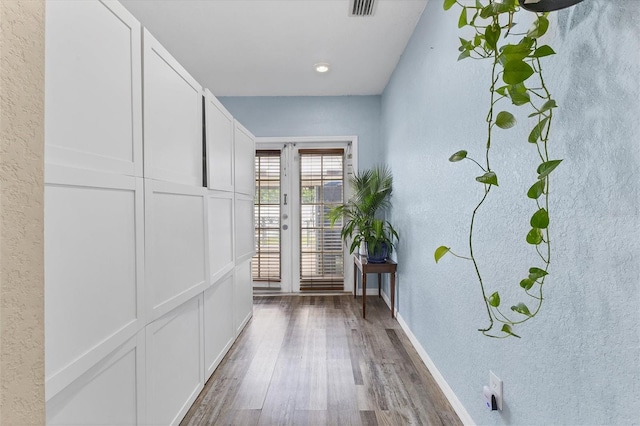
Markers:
94,266
93,57
147,275
218,326
175,362
172,118
221,220
244,163
219,125
176,244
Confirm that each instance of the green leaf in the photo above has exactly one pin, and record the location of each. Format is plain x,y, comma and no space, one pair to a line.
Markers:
494,300
539,28
516,72
462,21
514,52
502,90
536,190
458,156
537,131
506,328
548,105
477,40
518,97
545,107
534,237
448,3
521,308
488,178
547,167
505,120
440,251
527,283
540,219
535,273
478,4
492,35
543,51
464,55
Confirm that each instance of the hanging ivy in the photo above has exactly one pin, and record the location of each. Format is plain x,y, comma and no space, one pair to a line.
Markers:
516,81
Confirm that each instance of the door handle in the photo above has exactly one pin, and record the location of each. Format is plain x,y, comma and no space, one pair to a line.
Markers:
285,199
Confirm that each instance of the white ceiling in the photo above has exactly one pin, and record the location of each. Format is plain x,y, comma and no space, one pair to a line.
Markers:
269,47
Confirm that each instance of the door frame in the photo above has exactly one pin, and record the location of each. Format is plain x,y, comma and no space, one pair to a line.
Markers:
351,165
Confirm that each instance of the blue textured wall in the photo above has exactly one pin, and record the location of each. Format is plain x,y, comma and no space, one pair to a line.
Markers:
314,116
579,362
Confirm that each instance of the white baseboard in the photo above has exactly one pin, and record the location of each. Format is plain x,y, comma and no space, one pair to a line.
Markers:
457,406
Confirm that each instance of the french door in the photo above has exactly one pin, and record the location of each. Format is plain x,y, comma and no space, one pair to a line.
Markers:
297,184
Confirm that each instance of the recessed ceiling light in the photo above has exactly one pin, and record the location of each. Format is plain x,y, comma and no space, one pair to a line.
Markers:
321,67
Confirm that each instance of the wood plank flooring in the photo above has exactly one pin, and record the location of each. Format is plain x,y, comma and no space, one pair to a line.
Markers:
313,360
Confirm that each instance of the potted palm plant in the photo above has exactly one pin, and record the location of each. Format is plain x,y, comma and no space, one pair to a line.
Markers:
371,190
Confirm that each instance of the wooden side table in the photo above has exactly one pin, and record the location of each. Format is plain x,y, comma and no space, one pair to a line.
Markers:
360,264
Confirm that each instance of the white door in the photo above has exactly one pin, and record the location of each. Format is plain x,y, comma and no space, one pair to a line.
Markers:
297,183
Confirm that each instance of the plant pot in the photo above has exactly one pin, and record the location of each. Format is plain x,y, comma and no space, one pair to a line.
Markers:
379,255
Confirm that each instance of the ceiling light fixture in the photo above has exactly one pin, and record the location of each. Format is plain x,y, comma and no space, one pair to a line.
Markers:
321,67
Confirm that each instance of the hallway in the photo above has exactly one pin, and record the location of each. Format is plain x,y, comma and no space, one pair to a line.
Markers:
313,360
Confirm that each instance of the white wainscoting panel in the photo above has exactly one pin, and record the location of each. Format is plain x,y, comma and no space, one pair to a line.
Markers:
242,295
244,228
93,92
219,331
94,268
219,144
175,361
221,220
172,118
244,160
108,394
176,244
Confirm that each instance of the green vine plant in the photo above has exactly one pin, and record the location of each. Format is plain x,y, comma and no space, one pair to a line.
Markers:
516,76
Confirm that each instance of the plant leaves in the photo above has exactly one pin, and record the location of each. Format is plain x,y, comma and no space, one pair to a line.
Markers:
488,178
536,133
547,167
527,283
548,105
494,300
458,156
506,328
492,35
514,52
464,55
462,21
536,190
539,28
543,51
516,72
521,308
518,98
505,120
448,3
534,237
540,219
535,273
440,251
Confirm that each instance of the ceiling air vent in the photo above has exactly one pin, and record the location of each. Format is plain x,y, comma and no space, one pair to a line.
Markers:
361,7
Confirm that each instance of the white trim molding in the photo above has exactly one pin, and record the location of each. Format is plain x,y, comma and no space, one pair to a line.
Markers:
457,406
465,417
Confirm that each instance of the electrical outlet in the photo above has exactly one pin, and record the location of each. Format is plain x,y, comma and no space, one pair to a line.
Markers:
495,384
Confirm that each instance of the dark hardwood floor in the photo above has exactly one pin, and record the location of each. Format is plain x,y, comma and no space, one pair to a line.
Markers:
313,360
